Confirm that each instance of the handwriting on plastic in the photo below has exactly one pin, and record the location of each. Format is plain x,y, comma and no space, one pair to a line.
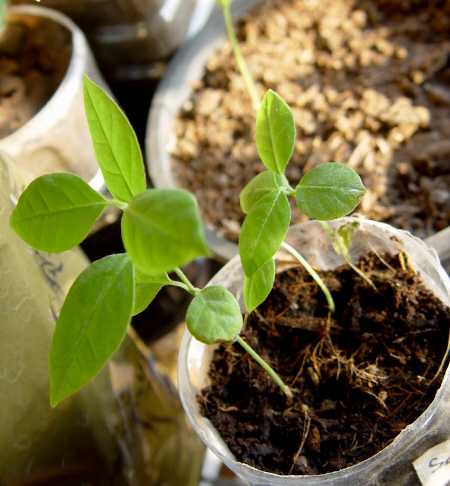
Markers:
436,463
433,467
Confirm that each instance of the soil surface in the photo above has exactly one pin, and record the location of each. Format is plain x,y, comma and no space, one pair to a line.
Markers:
369,86
34,55
359,377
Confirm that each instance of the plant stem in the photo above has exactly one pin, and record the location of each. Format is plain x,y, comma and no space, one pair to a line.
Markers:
120,204
189,287
242,65
284,388
313,274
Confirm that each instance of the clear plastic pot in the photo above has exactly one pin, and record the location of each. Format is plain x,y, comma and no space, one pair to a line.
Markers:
393,465
128,35
57,137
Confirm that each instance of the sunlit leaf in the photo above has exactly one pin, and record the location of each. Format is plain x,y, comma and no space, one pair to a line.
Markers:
257,188
329,191
56,212
115,143
214,316
264,230
162,229
146,288
275,132
92,324
258,286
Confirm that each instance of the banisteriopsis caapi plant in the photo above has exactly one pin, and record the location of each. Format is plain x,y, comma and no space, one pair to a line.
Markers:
161,231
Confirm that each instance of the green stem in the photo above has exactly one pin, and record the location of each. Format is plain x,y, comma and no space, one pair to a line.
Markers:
284,388
313,274
189,287
327,228
176,283
120,204
242,65
290,191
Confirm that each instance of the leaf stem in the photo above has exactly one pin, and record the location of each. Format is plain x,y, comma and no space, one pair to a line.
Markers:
289,190
189,287
242,65
119,204
313,274
284,388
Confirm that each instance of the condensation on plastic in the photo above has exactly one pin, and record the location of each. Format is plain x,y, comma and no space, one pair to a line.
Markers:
393,465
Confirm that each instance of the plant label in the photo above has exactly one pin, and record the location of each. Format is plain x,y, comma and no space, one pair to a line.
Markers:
433,467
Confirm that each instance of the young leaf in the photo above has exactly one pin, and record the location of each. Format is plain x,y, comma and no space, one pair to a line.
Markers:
329,191
115,143
275,132
146,288
258,286
264,230
162,229
214,316
257,188
56,212
92,324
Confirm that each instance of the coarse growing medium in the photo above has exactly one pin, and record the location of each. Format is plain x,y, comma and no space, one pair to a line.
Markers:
359,377
369,85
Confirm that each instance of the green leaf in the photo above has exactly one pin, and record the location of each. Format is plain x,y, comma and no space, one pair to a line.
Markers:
264,230
92,324
275,132
214,316
257,188
115,143
258,286
146,288
162,229
329,191
56,212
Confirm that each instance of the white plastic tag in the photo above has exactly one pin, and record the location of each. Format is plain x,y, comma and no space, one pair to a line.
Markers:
433,467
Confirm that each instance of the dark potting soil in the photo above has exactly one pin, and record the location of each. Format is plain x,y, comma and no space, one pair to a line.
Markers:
359,377
369,86
34,56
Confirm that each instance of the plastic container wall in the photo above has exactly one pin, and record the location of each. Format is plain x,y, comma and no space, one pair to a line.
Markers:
393,465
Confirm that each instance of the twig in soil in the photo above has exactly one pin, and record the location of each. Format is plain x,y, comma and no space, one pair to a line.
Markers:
444,360
306,427
382,260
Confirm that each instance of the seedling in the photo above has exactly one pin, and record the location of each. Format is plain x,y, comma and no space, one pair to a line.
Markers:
161,231
329,191
258,284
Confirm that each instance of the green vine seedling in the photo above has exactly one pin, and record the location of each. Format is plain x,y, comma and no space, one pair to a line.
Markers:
328,191
161,231
276,153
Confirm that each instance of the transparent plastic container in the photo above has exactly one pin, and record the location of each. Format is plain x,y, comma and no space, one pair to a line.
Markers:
57,138
393,465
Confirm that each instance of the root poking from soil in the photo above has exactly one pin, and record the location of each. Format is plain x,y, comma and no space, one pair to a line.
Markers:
359,376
